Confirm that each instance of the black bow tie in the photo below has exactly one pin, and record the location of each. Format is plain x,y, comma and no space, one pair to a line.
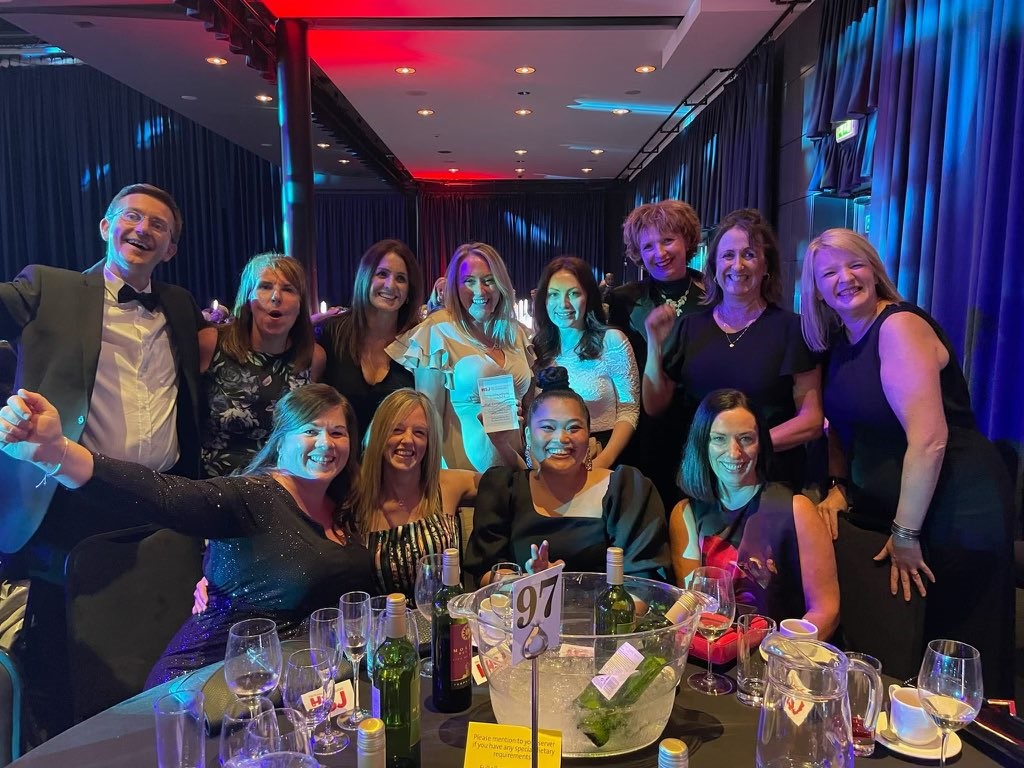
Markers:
127,293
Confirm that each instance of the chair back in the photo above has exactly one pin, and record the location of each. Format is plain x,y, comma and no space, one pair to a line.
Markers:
10,710
127,593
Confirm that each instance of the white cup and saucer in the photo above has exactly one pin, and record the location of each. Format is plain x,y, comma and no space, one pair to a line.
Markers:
794,629
908,730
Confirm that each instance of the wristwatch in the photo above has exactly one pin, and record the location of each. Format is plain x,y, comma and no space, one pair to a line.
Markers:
842,483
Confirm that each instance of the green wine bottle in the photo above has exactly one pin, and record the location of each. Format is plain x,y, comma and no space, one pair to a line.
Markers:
614,610
396,688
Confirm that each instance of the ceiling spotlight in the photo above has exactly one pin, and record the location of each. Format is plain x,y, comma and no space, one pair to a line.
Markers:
424,112
520,170
344,162
597,151
453,170
524,112
323,145
620,111
217,61
264,98
525,70
190,98
266,144
405,70
646,69
519,151
586,170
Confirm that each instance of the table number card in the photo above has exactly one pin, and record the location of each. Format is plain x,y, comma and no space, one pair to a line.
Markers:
509,746
537,605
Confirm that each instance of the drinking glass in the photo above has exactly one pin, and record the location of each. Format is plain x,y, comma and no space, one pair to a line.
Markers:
716,583
865,703
303,690
180,730
281,760
279,730
252,662
354,627
236,719
325,649
501,571
751,666
950,687
428,581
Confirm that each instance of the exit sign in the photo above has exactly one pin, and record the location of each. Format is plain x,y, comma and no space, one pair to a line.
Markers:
847,129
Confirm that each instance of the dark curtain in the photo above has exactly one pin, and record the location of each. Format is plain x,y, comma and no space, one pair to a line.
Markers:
71,137
527,229
347,223
948,184
721,161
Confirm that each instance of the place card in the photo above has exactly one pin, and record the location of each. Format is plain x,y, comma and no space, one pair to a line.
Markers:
342,699
509,746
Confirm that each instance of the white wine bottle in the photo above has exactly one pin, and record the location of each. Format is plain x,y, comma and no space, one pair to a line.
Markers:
396,688
614,610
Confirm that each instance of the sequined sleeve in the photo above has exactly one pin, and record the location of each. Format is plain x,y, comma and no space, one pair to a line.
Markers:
220,508
622,370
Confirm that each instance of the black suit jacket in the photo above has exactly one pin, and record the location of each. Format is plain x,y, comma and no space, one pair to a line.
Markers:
56,318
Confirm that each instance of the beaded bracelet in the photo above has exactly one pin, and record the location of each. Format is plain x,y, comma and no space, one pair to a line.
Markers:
904,533
55,470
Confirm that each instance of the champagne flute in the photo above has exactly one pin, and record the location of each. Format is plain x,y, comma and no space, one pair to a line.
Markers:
325,649
716,583
252,661
302,690
428,581
354,628
950,687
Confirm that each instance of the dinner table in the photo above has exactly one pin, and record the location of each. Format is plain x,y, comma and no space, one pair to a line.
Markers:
718,731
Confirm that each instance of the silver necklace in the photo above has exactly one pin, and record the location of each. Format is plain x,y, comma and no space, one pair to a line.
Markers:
732,341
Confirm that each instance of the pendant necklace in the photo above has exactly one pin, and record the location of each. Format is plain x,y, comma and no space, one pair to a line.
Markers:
732,341
677,304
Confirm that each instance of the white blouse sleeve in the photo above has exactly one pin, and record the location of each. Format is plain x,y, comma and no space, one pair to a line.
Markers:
625,377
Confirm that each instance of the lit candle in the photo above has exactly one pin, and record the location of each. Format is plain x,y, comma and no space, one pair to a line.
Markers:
215,305
323,306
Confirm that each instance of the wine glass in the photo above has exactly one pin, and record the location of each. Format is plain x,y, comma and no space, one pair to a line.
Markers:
279,730
716,583
302,689
325,650
354,627
950,687
237,717
428,581
252,661
502,571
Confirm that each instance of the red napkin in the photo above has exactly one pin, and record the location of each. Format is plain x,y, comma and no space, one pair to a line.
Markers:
724,648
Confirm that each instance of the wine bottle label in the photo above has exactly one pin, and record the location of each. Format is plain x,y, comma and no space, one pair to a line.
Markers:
461,656
620,666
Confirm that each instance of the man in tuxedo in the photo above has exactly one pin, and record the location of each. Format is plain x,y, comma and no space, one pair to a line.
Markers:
117,353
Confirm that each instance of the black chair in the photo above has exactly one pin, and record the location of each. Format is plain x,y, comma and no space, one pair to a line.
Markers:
10,710
127,593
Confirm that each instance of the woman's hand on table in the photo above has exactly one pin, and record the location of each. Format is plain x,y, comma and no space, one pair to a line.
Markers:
829,509
906,567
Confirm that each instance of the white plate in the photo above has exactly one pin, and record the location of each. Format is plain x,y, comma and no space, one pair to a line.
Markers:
929,751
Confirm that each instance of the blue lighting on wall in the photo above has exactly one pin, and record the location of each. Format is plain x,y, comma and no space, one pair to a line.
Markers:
149,130
93,175
528,233
660,110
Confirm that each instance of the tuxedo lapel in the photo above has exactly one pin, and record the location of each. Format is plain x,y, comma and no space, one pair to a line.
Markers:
91,324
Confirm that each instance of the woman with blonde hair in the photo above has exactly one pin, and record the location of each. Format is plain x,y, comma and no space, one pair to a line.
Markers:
476,335
249,363
910,468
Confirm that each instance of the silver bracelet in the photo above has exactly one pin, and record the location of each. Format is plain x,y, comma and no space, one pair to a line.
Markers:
55,470
904,533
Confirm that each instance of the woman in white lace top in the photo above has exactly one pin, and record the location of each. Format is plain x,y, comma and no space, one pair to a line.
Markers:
571,331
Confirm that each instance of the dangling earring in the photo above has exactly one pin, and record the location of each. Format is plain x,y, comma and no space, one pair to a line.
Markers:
526,455
589,463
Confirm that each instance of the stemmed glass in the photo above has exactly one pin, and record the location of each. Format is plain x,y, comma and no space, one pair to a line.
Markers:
302,689
428,581
354,627
716,583
325,650
252,661
950,687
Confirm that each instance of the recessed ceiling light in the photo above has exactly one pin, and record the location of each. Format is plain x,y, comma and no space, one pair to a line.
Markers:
520,170
524,112
525,70
323,145
597,151
424,112
646,69
266,144
190,98
217,61
586,170
519,151
453,170
344,162
264,98
405,70
620,111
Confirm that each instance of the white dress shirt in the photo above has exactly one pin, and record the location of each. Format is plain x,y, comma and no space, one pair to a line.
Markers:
133,409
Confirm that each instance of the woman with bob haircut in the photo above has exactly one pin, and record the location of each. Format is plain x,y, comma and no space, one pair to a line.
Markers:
247,364
281,538
476,335
386,300
570,330
909,465
743,339
771,539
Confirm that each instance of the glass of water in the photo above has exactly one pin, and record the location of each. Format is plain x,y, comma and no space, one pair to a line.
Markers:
751,665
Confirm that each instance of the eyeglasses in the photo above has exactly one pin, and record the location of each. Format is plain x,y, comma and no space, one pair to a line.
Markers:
134,217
